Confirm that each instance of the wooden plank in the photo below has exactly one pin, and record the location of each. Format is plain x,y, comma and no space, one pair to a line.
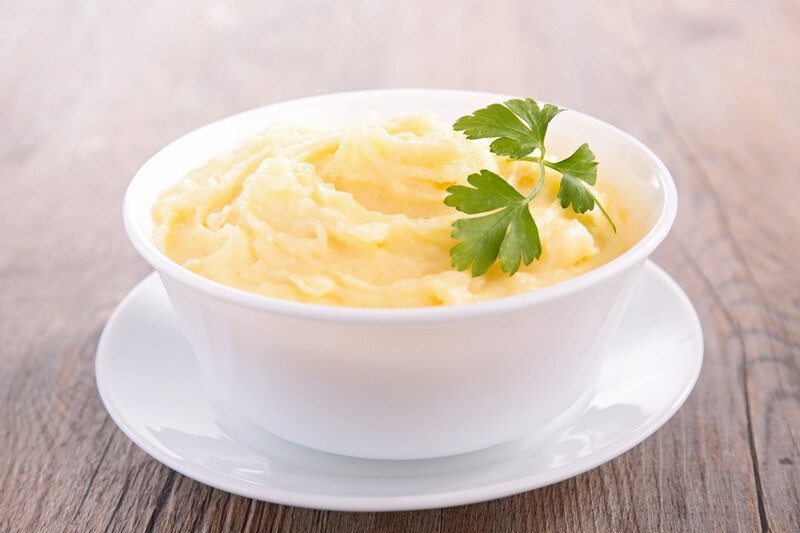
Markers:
749,246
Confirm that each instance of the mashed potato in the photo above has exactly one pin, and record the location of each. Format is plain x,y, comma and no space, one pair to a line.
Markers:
356,217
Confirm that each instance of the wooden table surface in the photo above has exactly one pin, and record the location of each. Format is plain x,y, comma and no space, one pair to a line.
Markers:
89,90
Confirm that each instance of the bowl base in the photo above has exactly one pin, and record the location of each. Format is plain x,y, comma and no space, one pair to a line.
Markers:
257,439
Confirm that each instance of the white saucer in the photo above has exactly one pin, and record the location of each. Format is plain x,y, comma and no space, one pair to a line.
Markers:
150,385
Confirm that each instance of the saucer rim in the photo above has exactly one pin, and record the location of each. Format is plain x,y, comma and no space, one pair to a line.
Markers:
380,503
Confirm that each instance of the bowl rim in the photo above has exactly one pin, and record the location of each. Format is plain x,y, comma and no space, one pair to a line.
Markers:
336,313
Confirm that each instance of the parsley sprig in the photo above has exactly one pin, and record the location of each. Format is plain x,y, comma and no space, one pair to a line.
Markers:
508,231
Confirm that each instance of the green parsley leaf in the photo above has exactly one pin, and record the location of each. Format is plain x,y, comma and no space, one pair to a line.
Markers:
521,242
488,192
572,192
510,233
511,147
579,167
519,125
537,119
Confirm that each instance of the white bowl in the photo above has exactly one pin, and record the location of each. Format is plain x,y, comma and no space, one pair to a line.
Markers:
412,382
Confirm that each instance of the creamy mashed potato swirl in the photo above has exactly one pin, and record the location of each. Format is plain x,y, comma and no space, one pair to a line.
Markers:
355,217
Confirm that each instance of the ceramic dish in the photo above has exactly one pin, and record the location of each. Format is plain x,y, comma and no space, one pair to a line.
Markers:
150,383
401,383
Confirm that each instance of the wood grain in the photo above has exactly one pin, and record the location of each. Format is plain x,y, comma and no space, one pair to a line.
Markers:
89,90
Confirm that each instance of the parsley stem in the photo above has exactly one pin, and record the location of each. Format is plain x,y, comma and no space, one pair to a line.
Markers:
605,213
539,182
